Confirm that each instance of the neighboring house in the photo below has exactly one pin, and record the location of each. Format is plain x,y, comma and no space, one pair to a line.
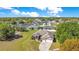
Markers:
53,22
36,24
47,23
22,25
33,26
46,27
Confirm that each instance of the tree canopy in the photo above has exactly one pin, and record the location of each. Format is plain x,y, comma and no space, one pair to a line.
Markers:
67,30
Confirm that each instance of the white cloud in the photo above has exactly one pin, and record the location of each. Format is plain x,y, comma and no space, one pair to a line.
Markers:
27,14
22,13
30,3
56,15
52,5
15,11
32,14
6,8
39,3
55,11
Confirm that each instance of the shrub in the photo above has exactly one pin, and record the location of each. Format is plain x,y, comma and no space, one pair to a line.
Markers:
6,31
67,30
70,45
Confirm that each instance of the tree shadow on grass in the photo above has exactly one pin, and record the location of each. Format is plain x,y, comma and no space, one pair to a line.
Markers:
11,38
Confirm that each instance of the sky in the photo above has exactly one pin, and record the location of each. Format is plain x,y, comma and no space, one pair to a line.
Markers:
37,12
39,8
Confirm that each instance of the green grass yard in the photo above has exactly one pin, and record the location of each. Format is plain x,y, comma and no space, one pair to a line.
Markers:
22,44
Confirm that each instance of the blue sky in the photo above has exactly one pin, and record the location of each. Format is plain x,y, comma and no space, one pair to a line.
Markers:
70,12
37,12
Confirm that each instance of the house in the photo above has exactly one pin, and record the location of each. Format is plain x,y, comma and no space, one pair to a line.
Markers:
47,37
44,35
46,23
33,26
36,24
22,25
